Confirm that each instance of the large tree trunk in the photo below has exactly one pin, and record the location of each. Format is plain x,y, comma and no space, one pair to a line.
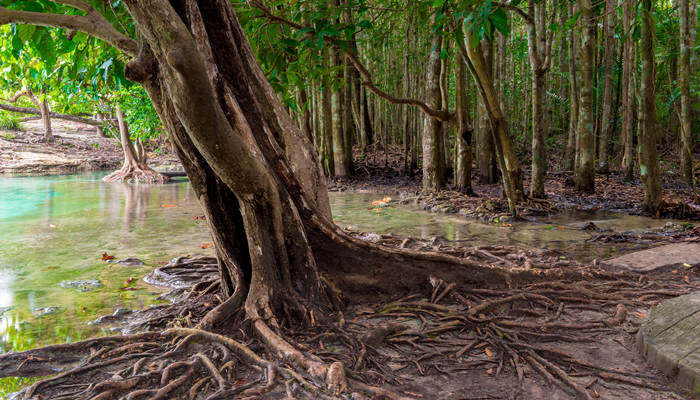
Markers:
433,159
585,170
607,126
628,62
648,157
685,76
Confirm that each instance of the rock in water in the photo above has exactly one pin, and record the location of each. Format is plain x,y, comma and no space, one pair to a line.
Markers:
81,285
131,262
670,340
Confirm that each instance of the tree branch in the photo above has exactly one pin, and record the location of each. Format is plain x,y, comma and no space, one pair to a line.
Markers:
442,115
67,117
525,16
93,24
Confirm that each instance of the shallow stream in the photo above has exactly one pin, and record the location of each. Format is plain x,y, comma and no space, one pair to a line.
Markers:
54,231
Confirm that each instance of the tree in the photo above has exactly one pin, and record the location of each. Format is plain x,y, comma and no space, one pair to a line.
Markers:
685,75
256,174
433,136
463,154
628,65
648,157
573,43
135,168
608,55
540,50
585,170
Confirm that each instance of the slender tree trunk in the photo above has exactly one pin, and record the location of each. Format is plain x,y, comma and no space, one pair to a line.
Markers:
327,138
46,120
306,114
585,171
648,157
607,127
685,76
488,167
538,62
628,96
463,155
433,159
571,151
507,159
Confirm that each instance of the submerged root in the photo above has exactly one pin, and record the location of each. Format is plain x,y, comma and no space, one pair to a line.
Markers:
139,173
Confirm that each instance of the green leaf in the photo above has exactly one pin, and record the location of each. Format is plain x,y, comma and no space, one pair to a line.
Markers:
25,32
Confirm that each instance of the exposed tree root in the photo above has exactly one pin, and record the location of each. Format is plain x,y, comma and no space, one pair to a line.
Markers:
140,173
530,330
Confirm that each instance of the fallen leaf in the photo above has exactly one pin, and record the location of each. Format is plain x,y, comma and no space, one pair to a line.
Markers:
596,394
488,352
639,314
49,268
205,245
129,281
106,257
489,371
379,209
686,265
240,382
686,279
169,205
675,271
386,199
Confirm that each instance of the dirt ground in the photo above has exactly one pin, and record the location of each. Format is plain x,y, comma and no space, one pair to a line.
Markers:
377,171
77,148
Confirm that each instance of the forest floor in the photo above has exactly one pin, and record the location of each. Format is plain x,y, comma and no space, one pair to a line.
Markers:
380,172
77,148
557,339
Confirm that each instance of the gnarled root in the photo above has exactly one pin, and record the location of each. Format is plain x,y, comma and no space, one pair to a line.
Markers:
136,173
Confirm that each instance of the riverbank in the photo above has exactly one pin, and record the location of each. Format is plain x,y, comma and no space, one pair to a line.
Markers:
380,173
78,148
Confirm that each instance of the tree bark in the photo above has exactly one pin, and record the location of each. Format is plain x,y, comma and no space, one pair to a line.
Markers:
628,96
463,155
687,166
648,157
488,163
606,126
570,155
585,171
338,134
327,154
433,144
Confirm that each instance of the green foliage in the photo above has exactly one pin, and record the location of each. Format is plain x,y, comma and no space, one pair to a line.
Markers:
10,122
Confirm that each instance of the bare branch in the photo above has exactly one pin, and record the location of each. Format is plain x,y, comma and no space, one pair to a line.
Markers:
92,24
